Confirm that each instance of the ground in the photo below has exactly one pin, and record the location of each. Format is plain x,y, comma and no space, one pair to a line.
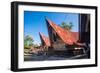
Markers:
44,57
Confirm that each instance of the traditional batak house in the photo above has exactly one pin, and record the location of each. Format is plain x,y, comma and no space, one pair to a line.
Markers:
45,41
62,40
84,31
43,48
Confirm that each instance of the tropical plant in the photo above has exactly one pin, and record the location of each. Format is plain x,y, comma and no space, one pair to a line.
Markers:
28,41
67,26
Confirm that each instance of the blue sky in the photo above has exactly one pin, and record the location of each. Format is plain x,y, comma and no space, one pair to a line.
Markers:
34,22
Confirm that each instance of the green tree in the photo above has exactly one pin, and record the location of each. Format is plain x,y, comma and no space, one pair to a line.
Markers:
28,41
67,26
